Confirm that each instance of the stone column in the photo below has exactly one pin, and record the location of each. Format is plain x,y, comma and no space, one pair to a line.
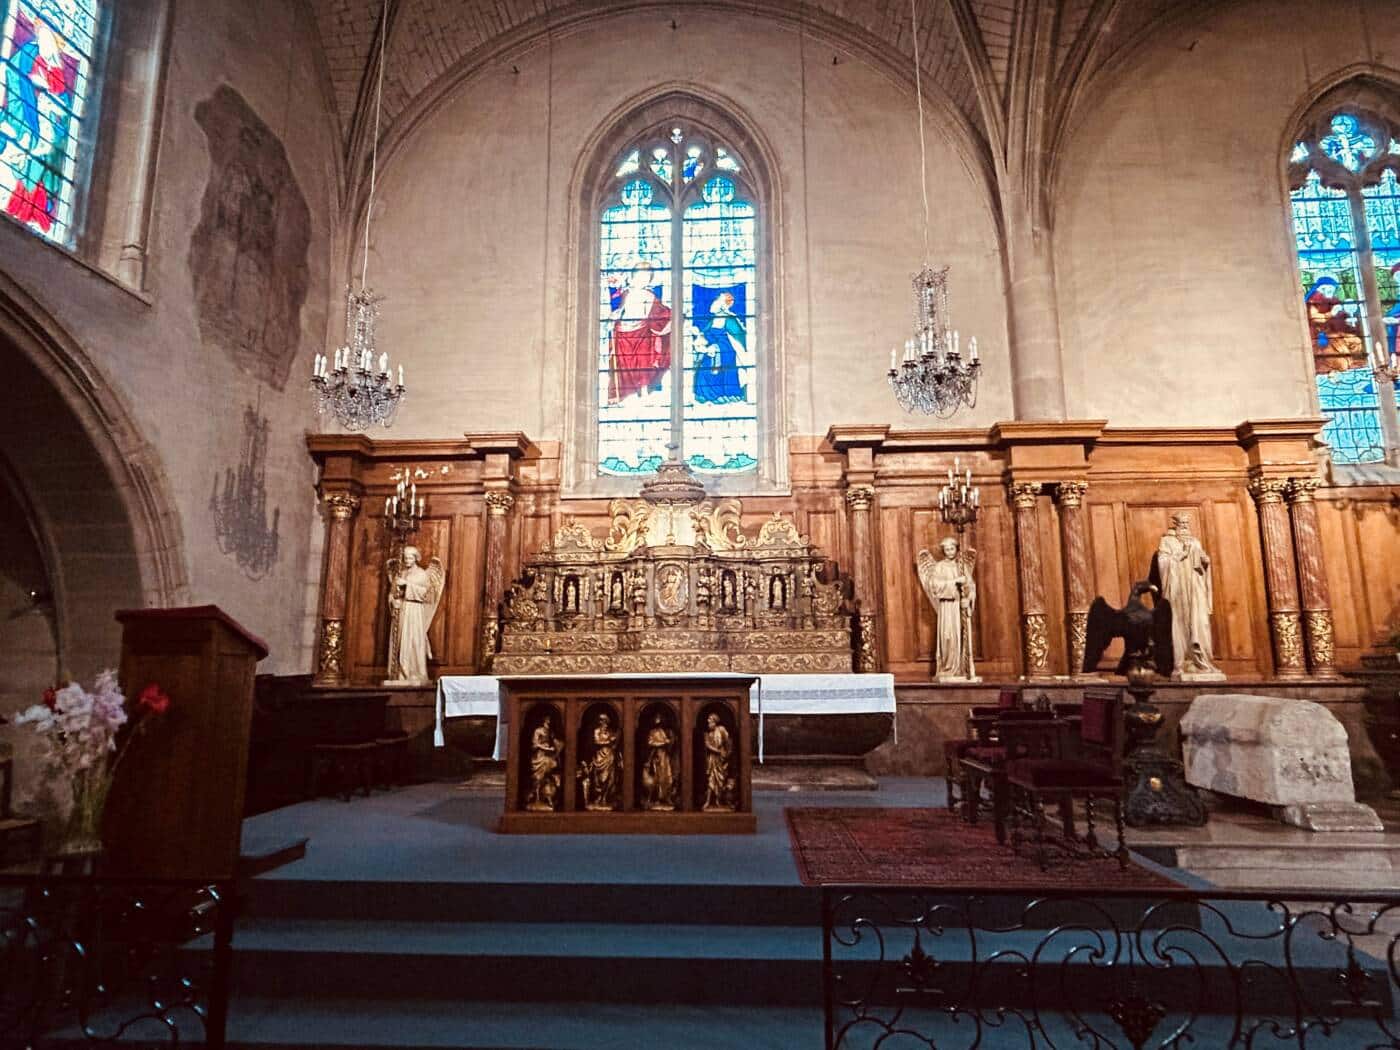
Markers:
858,499
1312,577
498,505
1035,642
1037,372
1074,543
335,587
1280,578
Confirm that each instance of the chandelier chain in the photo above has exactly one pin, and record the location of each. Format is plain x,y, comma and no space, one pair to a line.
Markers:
919,102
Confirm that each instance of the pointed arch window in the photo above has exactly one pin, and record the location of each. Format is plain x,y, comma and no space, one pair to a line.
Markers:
679,342
1345,202
48,50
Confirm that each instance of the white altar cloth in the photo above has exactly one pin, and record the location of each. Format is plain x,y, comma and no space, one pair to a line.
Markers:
773,694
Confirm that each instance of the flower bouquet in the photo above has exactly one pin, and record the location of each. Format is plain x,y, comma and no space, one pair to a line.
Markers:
79,732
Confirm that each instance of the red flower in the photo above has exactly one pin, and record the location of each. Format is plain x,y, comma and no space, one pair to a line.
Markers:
51,698
153,700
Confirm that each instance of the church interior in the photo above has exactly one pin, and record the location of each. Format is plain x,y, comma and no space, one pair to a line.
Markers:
557,523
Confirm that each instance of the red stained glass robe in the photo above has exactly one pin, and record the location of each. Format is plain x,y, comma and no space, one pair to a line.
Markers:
640,351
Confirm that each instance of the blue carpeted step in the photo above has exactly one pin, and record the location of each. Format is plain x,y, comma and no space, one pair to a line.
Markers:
620,962
776,905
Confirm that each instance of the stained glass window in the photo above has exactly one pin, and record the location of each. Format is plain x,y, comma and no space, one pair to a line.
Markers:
47,50
671,378
1345,204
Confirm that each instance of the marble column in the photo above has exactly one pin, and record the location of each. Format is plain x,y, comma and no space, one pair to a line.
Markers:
498,505
1280,578
858,500
1074,545
1035,642
330,652
1312,577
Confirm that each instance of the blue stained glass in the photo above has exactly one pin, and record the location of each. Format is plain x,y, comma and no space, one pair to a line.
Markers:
1353,429
661,163
1349,144
47,54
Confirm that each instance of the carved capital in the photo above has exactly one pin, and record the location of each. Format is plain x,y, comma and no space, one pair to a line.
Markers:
1023,494
342,505
1071,493
1301,490
859,497
1267,490
498,503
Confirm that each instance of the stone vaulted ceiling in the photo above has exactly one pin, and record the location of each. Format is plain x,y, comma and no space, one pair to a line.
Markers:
974,52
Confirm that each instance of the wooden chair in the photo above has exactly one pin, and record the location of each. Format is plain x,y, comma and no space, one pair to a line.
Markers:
1017,736
16,830
1063,767
981,735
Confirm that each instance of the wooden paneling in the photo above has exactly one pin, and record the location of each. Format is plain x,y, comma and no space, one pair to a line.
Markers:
1137,480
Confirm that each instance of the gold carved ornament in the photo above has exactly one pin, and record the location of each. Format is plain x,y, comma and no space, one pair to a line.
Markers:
1288,638
1035,642
860,497
1267,490
498,503
330,663
1320,640
1023,494
1302,490
1078,638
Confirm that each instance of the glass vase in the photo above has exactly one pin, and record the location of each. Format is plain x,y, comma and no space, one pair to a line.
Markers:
83,831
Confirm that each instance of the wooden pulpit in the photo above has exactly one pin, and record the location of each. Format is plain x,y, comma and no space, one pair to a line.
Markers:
176,805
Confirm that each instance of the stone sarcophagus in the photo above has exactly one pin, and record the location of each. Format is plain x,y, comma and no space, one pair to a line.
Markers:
675,585
1290,754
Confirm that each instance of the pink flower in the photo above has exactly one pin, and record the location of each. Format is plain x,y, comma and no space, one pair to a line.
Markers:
153,700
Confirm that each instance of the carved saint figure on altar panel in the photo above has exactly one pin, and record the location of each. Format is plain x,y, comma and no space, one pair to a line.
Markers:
951,590
414,593
546,752
639,350
1182,570
728,600
719,780
659,773
600,774
777,592
616,602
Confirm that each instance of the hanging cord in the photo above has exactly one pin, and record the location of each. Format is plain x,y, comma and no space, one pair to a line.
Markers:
919,97
374,147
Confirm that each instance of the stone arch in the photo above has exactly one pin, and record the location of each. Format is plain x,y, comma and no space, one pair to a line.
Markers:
91,485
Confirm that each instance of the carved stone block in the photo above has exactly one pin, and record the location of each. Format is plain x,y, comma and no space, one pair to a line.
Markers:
1288,753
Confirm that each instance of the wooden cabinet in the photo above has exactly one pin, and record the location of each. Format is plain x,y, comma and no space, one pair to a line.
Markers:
665,755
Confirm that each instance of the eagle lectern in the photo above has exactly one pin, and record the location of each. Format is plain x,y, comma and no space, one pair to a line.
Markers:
176,805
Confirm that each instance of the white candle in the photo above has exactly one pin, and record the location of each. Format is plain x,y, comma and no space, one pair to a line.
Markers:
957,342
891,360
400,375
972,347
387,505
384,364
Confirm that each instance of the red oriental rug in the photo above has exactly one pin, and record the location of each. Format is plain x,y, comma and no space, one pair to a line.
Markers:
932,847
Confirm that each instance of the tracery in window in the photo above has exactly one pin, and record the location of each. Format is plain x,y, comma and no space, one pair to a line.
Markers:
1346,223
47,53
679,216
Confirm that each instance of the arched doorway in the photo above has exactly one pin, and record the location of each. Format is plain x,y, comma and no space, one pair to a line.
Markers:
86,525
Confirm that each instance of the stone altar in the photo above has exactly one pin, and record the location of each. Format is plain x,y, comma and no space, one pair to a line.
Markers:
1289,754
675,584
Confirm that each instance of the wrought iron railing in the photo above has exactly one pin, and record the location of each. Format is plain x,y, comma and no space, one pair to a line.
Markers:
1109,969
95,961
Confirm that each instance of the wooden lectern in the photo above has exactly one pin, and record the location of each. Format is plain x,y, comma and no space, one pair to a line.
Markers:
176,806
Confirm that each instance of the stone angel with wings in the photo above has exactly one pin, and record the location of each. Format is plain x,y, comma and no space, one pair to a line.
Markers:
948,582
414,593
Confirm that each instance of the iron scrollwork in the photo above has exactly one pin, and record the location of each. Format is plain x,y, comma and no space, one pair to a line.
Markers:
1124,968
108,961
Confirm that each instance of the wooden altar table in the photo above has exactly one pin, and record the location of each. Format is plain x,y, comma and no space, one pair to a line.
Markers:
461,696
629,754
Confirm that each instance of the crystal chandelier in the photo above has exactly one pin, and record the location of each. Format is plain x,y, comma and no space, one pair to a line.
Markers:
932,376
353,388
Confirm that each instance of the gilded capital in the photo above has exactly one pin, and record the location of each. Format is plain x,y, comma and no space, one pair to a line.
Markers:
1023,493
1071,493
342,504
859,497
1267,490
1301,490
498,503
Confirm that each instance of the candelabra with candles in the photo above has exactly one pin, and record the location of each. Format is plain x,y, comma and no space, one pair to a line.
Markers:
958,502
352,388
403,514
932,376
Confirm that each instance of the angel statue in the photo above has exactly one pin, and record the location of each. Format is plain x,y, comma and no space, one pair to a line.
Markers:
414,593
951,590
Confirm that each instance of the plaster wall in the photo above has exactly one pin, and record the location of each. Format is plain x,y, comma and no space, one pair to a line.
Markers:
1179,296
186,397
474,250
